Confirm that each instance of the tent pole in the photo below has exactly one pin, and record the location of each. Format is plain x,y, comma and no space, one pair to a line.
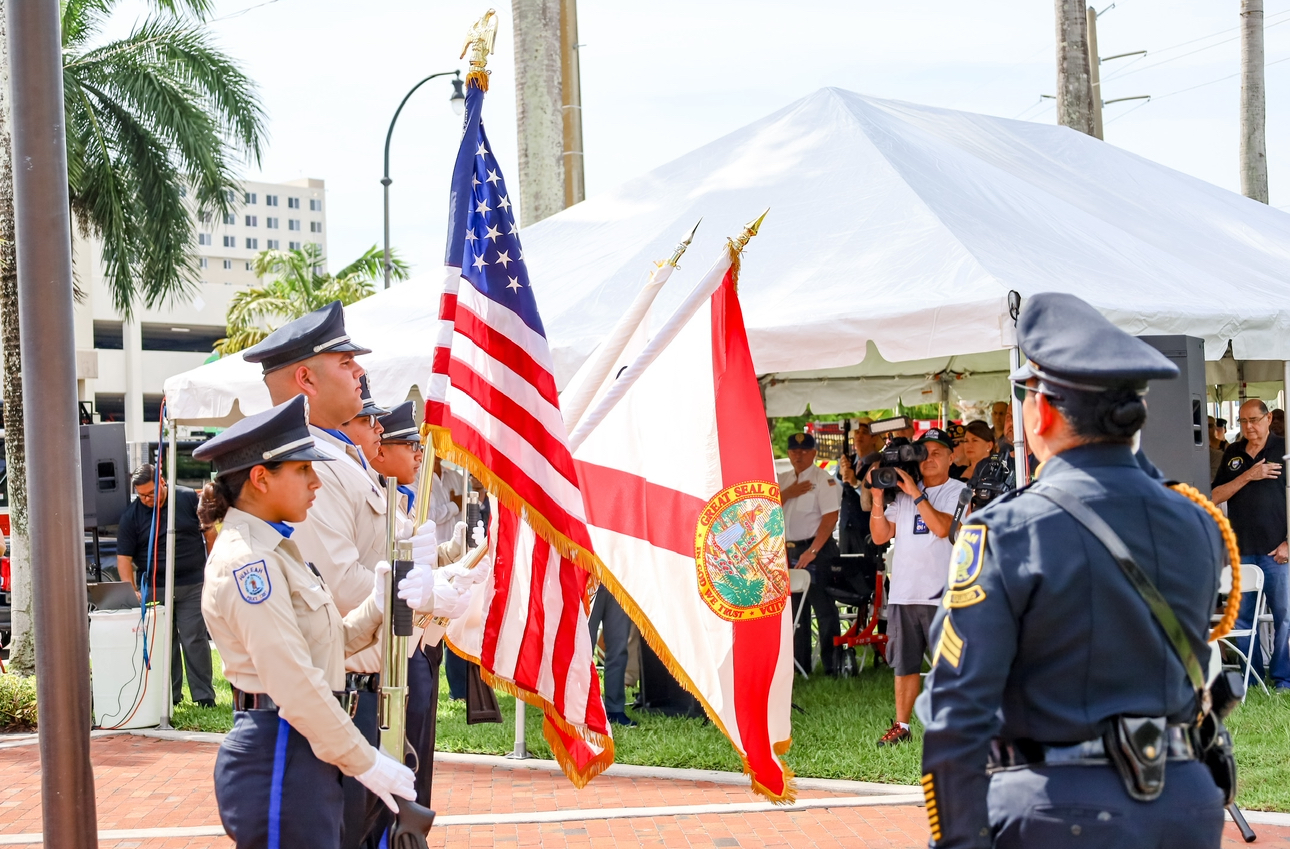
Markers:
1018,426
1285,389
172,455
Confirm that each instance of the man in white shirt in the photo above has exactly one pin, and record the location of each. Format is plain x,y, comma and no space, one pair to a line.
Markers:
811,501
918,519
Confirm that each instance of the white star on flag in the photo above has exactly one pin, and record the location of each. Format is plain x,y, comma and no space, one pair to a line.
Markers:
479,261
504,203
483,206
514,285
483,151
503,258
492,233
492,176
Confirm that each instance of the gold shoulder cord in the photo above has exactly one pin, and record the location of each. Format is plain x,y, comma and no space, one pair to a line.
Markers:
1225,624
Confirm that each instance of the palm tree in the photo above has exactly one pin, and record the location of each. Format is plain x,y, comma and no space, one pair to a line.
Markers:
149,118
299,288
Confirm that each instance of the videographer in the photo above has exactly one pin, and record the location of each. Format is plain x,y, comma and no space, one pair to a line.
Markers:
811,500
853,520
919,519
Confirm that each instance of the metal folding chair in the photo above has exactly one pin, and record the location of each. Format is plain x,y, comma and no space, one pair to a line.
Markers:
799,581
1251,582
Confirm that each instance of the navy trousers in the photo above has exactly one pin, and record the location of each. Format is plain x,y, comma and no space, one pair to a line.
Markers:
365,817
423,709
1083,806
272,792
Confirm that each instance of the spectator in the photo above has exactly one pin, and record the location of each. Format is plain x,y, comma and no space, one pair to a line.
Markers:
1000,415
811,503
141,559
607,613
1222,431
853,518
1216,448
1250,481
978,444
1278,426
919,519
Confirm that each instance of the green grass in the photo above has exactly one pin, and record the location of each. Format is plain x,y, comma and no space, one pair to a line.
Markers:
834,738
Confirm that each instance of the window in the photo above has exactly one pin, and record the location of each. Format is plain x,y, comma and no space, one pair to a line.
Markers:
248,266
229,196
270,200
250,197
293,203
271,223
295,246
315,226
230,218
204,217
252,221
315,205
228,264
203,238
271,244
202,263
252,244
230,241
293,223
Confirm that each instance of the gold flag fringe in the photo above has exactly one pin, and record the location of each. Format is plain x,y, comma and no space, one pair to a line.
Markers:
479,79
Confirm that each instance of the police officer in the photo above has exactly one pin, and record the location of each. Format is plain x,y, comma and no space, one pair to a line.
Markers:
1044,650
344,535
283,643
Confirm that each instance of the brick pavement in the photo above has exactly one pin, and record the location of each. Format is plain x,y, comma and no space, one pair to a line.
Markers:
149,783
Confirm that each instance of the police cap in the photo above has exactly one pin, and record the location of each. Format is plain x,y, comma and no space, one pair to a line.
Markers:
275,435
320,332
802,441
1070,344
370,407
400,425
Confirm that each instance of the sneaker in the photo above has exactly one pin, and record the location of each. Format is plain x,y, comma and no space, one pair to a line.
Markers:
622,719
895,735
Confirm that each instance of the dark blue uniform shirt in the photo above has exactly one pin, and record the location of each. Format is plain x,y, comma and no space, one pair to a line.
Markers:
1040,635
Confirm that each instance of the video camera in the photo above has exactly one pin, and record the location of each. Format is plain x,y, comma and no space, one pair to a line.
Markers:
899,453
992,478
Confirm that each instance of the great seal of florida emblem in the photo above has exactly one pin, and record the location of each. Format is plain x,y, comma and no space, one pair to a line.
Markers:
739,552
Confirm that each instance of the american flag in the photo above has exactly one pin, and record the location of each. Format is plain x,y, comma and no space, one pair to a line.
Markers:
492,408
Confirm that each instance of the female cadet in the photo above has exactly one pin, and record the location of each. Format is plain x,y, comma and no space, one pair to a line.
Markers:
283,642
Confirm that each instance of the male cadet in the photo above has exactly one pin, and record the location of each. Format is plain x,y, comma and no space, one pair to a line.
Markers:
364,430
1045,649
344,534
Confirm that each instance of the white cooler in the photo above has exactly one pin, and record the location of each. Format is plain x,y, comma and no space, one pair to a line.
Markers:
117,669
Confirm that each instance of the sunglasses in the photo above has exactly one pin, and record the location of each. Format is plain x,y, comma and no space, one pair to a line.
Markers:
1019,391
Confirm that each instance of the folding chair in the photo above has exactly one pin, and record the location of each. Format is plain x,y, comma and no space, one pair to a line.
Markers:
799,581
1251,582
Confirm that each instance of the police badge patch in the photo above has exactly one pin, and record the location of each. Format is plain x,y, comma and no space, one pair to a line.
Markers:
969,551
253,582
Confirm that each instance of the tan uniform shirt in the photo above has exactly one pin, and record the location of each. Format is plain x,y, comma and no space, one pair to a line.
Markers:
279,632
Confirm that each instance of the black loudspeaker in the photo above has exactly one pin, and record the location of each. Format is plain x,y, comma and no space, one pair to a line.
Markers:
1176,436
105,476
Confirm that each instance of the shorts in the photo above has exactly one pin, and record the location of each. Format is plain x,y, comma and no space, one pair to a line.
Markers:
909,629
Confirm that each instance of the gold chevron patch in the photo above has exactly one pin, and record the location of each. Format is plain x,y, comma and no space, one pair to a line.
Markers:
950,645
929,799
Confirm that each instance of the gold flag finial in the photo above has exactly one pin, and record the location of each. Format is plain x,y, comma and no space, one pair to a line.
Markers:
750,230
479,43
683,244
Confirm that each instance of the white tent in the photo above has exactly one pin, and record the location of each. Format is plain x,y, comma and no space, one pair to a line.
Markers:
895,233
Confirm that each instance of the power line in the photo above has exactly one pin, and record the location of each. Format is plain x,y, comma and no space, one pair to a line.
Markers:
1124,72
239,13
1193,88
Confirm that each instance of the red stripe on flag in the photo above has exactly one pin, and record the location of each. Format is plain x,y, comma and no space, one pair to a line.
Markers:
503,566
448,306
529,664
502,407
629,504
436,412
507,352
472,442
441,361
573,585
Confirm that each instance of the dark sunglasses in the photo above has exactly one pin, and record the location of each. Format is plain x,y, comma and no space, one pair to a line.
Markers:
1019,391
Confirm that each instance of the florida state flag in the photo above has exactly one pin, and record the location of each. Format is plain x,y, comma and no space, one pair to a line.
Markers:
684,513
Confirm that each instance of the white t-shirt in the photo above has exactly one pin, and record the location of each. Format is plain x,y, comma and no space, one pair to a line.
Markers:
802,514
921,560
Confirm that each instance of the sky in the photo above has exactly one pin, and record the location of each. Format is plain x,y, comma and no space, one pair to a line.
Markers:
664,77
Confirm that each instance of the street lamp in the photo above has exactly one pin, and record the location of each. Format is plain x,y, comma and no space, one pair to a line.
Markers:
458,101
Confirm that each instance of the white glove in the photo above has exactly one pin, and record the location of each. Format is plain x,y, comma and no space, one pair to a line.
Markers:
427,591
425,544
389,778
478,535
378,584
462,604
462,577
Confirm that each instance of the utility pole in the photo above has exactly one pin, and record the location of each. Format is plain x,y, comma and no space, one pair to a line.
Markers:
575,190
1254,153
1094,71
1074,92
539,108
43,234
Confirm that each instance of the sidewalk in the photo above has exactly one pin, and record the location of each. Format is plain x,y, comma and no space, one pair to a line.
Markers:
156,793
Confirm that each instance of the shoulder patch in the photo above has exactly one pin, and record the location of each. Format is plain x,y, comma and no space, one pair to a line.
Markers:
950,646
1234,463
964,598
969,552
253,582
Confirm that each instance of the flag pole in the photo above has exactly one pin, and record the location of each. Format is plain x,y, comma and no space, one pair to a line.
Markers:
698,296
603,358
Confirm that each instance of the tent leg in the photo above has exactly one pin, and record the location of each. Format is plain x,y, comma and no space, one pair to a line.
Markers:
1018,426
172,472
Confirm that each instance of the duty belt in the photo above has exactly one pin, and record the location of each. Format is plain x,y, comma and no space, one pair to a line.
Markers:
363,682
1007,754
261,701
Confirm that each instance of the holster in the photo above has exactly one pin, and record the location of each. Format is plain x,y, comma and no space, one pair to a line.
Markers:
1214,748
1138,748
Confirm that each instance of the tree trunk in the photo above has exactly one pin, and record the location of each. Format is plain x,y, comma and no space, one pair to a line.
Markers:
538,107
1254,156
1074,89
22,652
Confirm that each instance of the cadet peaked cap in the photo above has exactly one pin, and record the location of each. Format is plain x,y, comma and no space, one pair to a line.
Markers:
401,425
935,434
804,441
275,435
1070,344
370,407
320,332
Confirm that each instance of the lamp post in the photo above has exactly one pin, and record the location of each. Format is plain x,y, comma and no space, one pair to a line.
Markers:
458,101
